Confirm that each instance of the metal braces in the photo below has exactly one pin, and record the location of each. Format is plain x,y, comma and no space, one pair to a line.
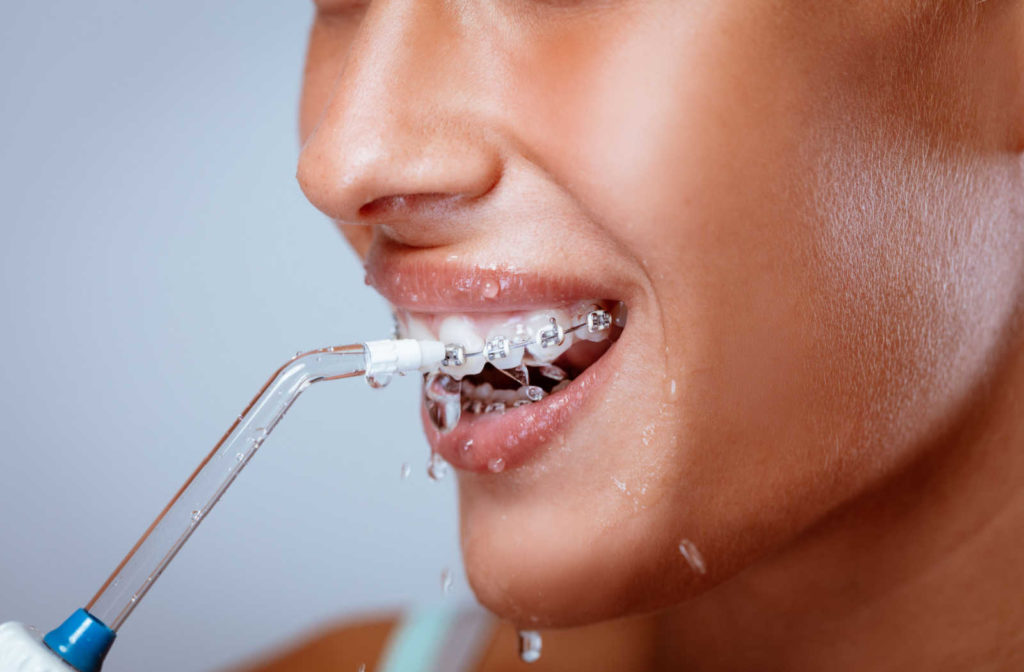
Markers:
552,335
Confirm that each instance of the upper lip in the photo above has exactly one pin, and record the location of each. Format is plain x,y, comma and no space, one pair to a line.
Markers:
429,280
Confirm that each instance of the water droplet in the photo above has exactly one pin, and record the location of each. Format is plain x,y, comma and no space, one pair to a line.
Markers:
530,644
553,372
490,289
406,470
298,353
672,389
437,468
533,393
496,407
689,551
239,457
446,581
362,668
196,515
467,446
496,465
442,396
378,380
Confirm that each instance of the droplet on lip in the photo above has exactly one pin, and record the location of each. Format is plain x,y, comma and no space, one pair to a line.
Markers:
496,465
490,289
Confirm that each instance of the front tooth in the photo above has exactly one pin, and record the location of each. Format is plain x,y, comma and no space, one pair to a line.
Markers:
502,342
457,329
539,323
412,327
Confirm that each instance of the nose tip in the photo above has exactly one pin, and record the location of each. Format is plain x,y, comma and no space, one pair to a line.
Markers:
407,124
362,171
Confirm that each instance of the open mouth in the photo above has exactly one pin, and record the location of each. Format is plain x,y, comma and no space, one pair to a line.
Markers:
495,390
499,362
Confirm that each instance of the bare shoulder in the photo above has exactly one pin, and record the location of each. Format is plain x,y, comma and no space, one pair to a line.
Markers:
341,646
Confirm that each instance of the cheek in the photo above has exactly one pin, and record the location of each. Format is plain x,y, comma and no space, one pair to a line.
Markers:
823,310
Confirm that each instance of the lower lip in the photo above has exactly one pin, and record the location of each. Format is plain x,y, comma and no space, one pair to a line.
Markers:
494,442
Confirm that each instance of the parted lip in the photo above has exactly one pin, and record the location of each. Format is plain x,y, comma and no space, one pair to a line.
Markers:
424,282
429,281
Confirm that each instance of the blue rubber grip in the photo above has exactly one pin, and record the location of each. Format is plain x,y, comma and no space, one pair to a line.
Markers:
82,641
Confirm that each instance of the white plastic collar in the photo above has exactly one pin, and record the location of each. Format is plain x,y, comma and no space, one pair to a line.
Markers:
402,356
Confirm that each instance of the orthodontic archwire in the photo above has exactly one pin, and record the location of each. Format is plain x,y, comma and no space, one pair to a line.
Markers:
553,335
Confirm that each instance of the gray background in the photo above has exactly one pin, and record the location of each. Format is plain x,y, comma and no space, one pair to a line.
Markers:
159,261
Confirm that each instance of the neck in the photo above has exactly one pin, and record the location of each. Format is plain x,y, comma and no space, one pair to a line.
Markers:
926,572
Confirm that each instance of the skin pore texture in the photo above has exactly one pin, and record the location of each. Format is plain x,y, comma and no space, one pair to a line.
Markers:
815,214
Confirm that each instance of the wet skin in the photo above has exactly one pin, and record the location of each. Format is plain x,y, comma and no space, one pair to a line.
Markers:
814,213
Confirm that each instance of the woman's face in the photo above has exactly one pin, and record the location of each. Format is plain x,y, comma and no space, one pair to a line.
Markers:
806,207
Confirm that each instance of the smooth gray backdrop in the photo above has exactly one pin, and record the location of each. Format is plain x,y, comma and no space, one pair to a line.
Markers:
159,261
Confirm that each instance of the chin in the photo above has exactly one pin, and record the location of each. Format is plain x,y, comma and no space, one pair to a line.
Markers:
540,565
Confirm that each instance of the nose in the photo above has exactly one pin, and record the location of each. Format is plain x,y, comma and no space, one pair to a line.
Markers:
404,126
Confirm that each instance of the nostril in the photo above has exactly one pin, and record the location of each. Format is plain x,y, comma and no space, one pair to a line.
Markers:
386,206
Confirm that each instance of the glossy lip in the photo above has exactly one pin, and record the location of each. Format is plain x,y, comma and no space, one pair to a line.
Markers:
412,282
422,286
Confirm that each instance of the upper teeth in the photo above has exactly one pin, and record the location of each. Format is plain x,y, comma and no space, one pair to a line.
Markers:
458,330
542,335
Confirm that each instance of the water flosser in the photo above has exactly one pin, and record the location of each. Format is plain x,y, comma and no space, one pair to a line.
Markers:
83,640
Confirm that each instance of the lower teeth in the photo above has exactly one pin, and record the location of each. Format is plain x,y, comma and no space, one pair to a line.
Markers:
447,398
